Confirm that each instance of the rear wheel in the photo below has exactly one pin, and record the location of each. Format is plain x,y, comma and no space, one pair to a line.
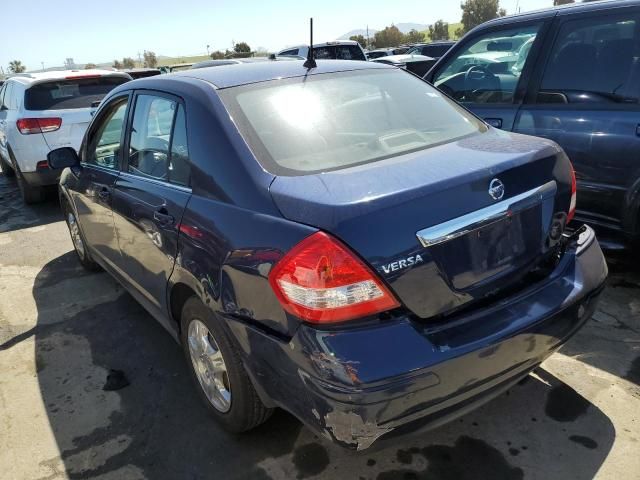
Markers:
217,371
79,244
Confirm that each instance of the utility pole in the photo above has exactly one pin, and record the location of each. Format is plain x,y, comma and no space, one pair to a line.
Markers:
139,59
42,63
368,42
208,49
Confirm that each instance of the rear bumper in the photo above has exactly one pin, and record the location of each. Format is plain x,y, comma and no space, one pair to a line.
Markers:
362,385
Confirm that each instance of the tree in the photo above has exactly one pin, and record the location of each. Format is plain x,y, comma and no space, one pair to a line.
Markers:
389,37
128,62
16,66
217,55
439,31
117,64
261,52
360,39
414,36
70,64
89,66
150,60
562,2
475,12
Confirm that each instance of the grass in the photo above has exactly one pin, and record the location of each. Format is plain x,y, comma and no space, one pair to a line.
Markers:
186,59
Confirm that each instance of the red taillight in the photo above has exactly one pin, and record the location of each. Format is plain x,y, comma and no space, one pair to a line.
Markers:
28,126
321,281
572,204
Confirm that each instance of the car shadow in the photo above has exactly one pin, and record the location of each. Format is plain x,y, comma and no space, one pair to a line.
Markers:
16,215
155,427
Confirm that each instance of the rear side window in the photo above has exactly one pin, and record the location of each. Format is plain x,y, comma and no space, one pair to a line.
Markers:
290,52
593,61
332,121
70,93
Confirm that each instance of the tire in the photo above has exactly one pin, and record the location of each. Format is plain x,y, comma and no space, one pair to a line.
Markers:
242,409
30,194
79,243
6,168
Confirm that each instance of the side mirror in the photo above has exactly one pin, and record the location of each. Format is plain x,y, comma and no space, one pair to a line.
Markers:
62,158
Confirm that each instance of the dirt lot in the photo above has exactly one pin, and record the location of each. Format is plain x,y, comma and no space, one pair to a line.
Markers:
62,330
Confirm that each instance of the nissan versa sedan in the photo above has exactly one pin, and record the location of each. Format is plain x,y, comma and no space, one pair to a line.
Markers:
343,242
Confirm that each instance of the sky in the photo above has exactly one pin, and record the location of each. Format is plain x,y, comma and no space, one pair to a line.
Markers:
100,31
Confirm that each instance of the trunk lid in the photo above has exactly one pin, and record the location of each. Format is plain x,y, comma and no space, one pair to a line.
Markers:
427,222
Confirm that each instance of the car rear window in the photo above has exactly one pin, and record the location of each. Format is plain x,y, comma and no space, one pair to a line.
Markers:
339,52
70,93
326,122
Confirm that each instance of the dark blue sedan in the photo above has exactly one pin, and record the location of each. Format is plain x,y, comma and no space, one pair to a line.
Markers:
343,242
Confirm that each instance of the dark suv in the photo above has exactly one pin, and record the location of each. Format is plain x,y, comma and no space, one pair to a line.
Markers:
570,74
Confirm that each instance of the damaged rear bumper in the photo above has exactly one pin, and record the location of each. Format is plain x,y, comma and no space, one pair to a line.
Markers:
372,383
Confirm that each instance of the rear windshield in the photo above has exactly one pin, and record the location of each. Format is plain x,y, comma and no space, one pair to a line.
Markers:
339,52
327,122
71,93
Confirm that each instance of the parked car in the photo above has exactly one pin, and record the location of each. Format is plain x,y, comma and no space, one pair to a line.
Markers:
385,52
175,68
239,61
433,49
418,64
43,111
136,73
338,50
571,75
344,242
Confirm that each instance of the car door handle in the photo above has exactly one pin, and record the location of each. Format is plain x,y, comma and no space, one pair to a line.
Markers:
104,194
163,218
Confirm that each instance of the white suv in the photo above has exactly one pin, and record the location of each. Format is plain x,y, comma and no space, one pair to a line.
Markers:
43,111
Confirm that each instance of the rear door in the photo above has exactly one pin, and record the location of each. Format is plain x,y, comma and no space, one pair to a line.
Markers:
93,189
489,71
152,193
73,99
585,97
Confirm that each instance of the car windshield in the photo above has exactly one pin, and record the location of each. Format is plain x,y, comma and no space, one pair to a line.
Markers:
326,122
70,93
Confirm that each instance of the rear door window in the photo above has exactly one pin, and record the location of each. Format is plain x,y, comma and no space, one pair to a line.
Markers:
488,68
70,93
158,141
594,60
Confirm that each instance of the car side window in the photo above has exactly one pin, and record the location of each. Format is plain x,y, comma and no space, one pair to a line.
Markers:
179,168
158,142
594,60
103,141
150,136
6,99
487,69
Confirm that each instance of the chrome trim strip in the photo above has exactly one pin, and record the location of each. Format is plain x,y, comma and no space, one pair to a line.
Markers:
174,186
465,224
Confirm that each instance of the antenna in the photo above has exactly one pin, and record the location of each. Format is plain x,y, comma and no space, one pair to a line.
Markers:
311,62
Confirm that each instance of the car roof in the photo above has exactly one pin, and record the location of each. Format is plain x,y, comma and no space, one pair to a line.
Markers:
39,77
561,9
241,74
